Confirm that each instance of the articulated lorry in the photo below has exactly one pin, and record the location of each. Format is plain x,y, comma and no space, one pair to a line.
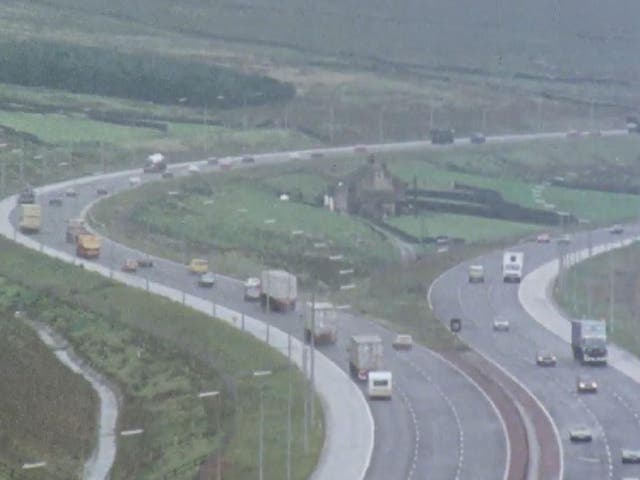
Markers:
365,355
30,218
88,246
278,290
589,341
321,323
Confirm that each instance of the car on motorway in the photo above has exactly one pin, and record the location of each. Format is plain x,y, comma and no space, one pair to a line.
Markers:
70,192
134,181
55,202
145,262
564,239
630,455
500,324
360,149
580,433
585,384
129,265
101,191
594,133
573,134
193,168
616,230
198,265
207,280
402,342
317,155
543,238
212,161
478,138
295,156
167,174
476,274
546,359
248,159
252,289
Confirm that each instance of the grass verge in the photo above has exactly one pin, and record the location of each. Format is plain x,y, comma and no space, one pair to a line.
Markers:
47,412
585,292
162,355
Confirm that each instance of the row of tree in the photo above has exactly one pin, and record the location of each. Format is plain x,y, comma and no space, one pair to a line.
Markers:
153,78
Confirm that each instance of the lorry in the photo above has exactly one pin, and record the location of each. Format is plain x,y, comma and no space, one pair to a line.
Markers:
155,163
278,290
75,227
589,341
27,196
379,385
30,218
441,136
365,355
321,323
512,264
88,245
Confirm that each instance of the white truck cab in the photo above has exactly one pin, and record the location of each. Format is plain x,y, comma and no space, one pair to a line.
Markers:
379,385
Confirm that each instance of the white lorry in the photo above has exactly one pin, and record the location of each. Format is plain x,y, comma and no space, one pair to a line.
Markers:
320,323
365,355
379,385
512,265
278,290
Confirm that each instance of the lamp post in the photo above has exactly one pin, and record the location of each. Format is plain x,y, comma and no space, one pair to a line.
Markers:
258,374
216,394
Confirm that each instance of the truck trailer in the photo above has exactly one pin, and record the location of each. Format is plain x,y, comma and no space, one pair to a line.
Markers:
365,355
589,341
30,218
512,264
278,290
321,323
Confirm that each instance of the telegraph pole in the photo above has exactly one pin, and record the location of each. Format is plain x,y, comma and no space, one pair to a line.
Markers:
313,348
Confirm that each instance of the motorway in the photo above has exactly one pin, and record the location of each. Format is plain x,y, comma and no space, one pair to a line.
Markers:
438,423
612,413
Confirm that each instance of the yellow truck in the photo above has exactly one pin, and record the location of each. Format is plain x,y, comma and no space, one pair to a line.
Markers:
88,246
198,265
30,218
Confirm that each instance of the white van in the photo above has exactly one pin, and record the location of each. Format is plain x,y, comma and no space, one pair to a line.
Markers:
379,385
512,264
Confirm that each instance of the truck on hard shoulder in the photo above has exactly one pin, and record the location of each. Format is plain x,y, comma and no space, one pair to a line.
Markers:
278,290
512,265
75,227
365,355
589,341
321,323
155,163
30,218
88,246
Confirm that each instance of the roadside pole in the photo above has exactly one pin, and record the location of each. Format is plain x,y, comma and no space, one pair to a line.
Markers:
313,348
289,407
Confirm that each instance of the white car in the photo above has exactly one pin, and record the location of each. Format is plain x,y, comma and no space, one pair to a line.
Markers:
379,385
193,168
630,455
476,273
403,342
133,181
501,325
580,433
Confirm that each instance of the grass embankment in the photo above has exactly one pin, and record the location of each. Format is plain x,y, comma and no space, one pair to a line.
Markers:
239,222
47,412
585,292
162,355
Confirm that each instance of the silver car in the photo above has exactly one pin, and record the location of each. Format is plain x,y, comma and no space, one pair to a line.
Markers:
580,433
501,325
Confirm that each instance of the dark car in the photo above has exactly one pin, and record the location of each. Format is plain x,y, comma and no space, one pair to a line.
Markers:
167,174
586,385
546,359
55,202
248,160
212,161
101,191
207,280
478,138
616,230
145,263
441,136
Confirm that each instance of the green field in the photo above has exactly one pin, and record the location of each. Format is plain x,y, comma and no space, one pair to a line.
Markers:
471,229
585,292
162,355
47,412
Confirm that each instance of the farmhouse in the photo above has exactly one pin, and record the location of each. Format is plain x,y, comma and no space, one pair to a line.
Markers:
370,190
